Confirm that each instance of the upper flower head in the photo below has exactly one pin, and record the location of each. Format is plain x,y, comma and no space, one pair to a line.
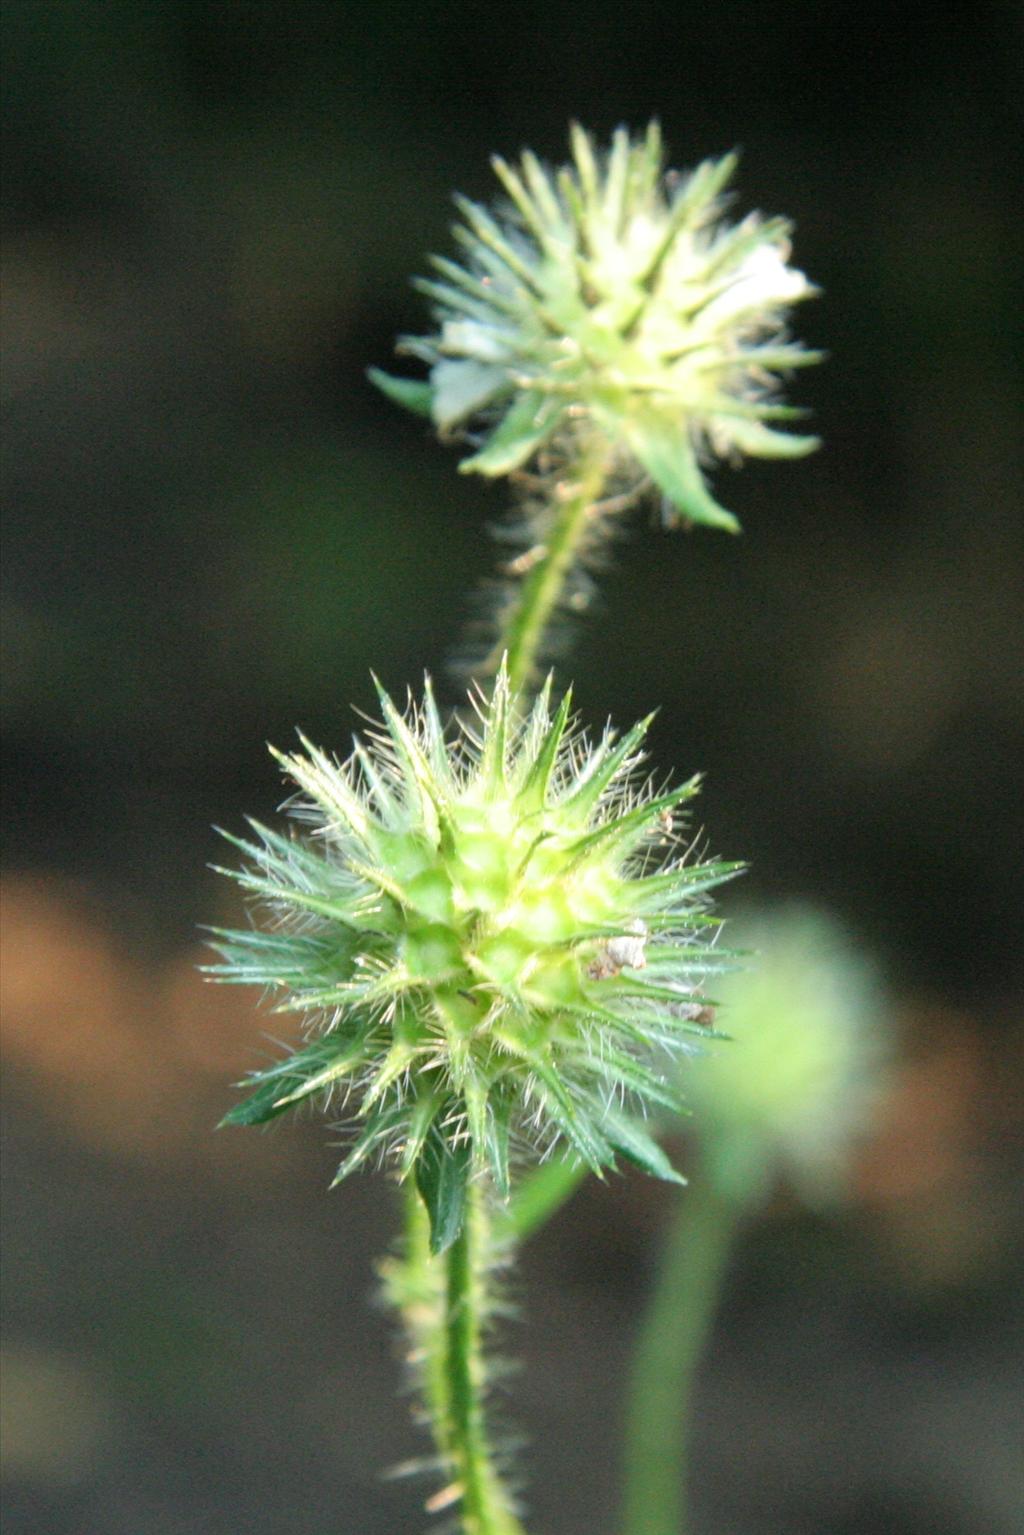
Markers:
490,937
612,298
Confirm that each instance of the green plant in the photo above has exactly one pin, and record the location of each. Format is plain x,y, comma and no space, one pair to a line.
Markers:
785,1104
491,928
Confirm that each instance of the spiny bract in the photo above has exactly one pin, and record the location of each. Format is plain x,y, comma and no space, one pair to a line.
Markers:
610,299
491,937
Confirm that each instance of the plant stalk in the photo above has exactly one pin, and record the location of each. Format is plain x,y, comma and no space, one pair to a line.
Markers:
671,1342
485,1503
536,600
444,1301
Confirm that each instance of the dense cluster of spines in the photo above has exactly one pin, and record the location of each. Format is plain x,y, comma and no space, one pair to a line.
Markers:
493,937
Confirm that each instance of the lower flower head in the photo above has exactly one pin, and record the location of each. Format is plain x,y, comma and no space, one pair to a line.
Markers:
493,937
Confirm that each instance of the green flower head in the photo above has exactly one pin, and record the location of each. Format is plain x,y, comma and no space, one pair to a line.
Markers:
493,936
611,299
797,1084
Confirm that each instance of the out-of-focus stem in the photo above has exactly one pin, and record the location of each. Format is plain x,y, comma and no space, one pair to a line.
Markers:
672,1338
542,1194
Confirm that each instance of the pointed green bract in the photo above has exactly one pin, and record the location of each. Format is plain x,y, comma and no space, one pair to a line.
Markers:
493,937
639,1148
411,393
529,422
312,1070
668,456
442,1171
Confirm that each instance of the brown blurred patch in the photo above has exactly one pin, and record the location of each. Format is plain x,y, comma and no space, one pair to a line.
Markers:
932,1174
891,689
132,1061
57,1416
926,1130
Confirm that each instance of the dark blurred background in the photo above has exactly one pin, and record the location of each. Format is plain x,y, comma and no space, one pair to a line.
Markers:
214,528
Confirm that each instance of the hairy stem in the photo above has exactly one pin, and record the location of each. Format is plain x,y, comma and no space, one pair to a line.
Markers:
485,1503
416,1286
444,1302
672,1339
525,624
